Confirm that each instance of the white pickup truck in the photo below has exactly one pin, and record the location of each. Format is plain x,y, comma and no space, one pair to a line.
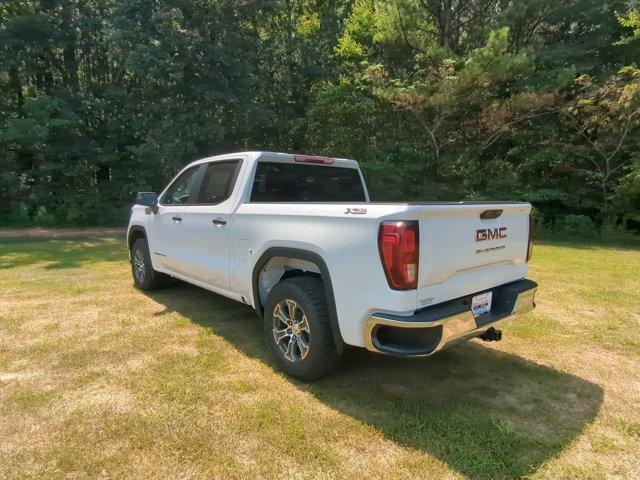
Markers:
296,237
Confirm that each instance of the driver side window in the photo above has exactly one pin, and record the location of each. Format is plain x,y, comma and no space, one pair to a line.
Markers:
180,190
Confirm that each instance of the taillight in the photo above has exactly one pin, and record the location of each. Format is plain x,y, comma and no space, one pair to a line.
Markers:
532,229
398,243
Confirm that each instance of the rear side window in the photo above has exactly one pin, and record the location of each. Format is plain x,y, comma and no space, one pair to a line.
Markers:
290,182
218,182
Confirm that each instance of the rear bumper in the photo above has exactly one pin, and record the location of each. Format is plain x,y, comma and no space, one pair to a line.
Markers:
441,326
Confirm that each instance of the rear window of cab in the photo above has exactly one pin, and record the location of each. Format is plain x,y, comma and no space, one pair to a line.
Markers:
290,182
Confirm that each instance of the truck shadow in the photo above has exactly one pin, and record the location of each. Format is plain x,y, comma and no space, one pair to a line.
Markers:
485,413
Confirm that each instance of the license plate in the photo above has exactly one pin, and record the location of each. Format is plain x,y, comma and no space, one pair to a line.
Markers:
481,303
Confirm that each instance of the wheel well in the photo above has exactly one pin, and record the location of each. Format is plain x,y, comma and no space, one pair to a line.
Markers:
300,273
134,235
277,269
279,263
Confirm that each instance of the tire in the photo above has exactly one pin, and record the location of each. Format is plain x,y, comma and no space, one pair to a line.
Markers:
147,278
320,357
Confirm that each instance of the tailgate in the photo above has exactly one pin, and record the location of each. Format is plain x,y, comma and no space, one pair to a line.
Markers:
462,252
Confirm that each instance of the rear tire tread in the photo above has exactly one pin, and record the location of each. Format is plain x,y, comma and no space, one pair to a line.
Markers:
310,290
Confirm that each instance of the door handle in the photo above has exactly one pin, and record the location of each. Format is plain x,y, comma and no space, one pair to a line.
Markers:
176,219
219,221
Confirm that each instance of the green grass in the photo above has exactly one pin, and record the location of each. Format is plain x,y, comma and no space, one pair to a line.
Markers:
98,379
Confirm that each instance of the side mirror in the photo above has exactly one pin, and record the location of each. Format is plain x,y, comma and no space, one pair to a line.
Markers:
148,199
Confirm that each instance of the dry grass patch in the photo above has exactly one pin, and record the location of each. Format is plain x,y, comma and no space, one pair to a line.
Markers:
98,380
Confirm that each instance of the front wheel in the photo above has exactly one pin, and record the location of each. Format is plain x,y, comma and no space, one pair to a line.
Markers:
144,276
298,330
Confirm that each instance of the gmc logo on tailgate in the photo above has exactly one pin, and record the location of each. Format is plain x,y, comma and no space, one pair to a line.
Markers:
490,233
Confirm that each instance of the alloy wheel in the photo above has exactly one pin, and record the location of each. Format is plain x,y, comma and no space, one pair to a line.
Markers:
139,266
291,330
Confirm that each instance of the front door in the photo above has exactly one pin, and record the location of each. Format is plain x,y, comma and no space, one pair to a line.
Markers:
166,231
206,225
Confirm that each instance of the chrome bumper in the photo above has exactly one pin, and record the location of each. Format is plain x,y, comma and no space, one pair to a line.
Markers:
441,326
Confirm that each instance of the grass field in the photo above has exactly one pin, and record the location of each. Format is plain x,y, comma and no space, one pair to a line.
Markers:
99,380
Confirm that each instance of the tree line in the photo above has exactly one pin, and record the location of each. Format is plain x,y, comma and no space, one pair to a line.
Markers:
535,100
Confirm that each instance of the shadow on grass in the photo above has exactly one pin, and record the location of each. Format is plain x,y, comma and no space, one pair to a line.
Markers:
59,253
485,413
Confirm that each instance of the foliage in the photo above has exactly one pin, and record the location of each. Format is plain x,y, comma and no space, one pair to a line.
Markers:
606,119
460,99
575,226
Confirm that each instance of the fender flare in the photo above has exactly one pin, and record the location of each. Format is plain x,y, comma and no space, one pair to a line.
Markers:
324,274
133,229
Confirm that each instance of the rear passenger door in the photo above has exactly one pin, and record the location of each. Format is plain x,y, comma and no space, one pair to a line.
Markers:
206,225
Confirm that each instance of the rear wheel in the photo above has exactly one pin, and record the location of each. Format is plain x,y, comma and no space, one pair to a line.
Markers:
298,330
144,276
